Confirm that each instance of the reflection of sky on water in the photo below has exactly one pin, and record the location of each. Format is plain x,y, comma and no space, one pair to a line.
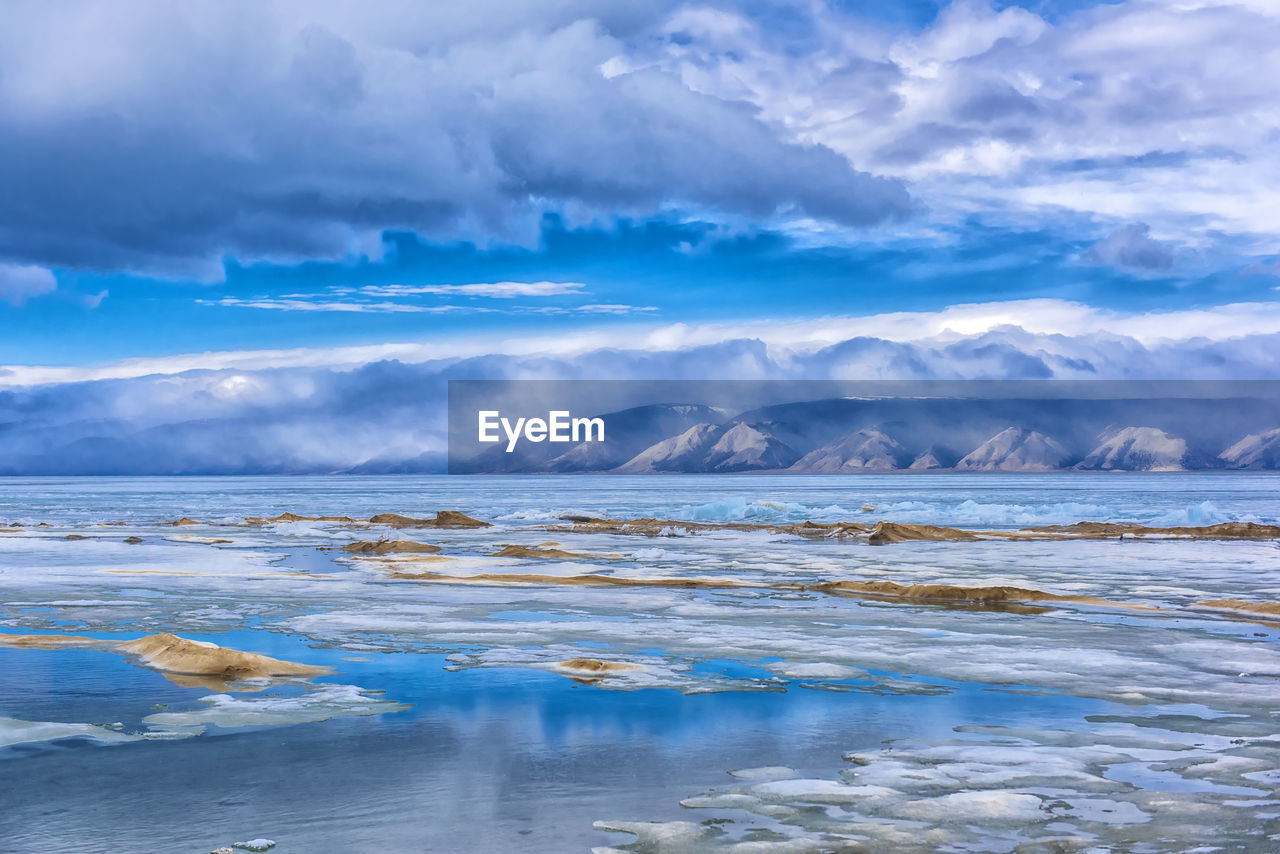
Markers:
481,756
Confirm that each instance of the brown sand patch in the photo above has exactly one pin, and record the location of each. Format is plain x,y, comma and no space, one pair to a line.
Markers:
133,540
182,523
649,527
896,532
529,551
824,530
443,519
184,662
294,517
970,595
208,541
1222,531
386,547
179,655
454,519
885,532
1266,609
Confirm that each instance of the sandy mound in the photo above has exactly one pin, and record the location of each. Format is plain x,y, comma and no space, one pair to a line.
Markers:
454,519
824,530
386,547
182,523
1222,531
650,527
179,655
896,532
184,662
529,551
294,517
1269,609
940,592
444,519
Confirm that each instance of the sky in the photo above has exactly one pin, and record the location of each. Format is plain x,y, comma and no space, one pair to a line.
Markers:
321,186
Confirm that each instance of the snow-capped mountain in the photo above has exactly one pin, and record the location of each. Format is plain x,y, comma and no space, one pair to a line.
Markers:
1255,451
1016,449
679,453
926,461
862,450
1137,449
746,447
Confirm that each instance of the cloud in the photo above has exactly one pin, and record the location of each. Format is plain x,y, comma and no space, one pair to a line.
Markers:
382,415
1046,320
307,302
183,135
499,290
21,282
335,301
1131,248
177,135
1140,110
593,308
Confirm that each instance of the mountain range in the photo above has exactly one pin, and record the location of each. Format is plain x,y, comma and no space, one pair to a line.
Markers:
853,435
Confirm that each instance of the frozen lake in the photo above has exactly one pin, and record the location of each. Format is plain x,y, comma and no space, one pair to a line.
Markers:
747,708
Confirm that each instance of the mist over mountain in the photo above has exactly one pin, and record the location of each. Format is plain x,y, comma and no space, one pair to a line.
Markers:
390,417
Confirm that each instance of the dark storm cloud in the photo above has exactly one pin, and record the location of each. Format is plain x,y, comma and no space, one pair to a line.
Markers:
162,137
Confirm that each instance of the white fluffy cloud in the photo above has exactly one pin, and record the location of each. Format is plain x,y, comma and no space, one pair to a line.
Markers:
1151,110
1113,344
